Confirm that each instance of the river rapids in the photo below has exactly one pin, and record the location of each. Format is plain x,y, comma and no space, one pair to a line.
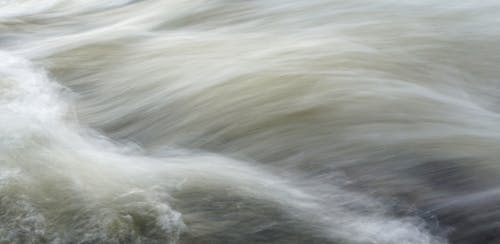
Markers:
250,121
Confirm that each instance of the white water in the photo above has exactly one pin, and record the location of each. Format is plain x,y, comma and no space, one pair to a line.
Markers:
213,121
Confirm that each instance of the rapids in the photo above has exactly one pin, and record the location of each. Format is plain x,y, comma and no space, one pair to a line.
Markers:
249,121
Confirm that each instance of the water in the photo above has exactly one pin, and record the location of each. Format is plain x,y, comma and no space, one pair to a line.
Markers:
263,121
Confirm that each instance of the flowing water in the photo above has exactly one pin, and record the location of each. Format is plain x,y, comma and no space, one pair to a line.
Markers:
249,121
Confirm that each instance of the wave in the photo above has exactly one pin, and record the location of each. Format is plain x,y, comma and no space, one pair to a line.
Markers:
248,122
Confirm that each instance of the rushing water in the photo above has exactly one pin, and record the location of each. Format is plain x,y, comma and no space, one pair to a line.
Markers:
250,121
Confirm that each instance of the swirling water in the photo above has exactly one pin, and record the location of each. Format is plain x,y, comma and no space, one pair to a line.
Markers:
257,121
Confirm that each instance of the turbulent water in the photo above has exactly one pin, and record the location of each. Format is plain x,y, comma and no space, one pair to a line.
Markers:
257,121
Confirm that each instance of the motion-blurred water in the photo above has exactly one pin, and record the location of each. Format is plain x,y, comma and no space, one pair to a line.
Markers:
249,121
